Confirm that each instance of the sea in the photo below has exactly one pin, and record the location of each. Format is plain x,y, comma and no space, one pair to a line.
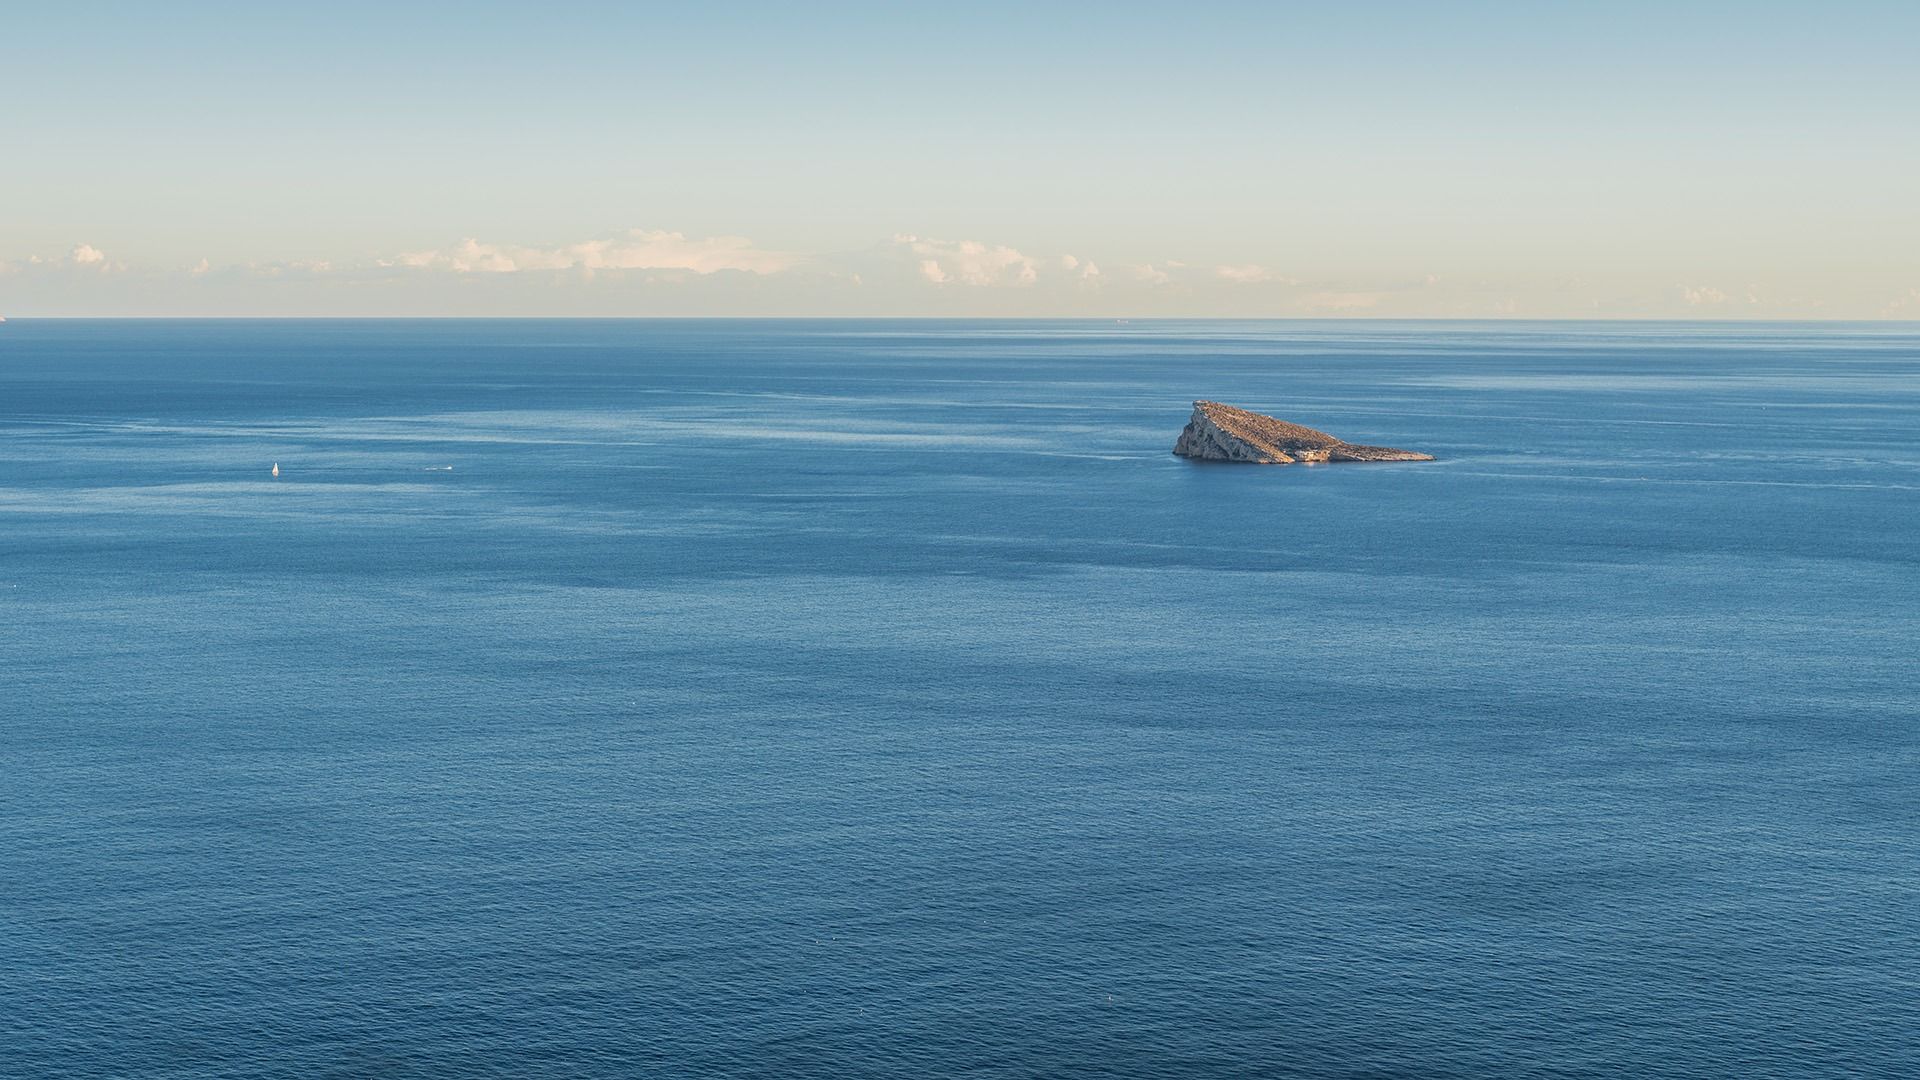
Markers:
844,699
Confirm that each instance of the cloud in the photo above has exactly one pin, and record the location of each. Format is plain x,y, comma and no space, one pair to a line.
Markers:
1248,274
1084,269
86,257
1903,306
1151,274
971,262
290,268
637,249
1341,301
1696,295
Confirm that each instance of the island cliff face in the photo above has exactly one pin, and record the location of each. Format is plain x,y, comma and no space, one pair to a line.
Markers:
1219,432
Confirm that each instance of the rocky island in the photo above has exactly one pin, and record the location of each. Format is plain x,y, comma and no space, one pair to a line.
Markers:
1219,432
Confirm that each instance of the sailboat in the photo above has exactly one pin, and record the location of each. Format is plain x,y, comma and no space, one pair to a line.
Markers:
276,468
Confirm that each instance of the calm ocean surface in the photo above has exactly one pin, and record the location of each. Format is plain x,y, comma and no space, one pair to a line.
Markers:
859,699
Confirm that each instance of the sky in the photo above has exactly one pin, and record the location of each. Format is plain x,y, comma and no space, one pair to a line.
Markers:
1533,160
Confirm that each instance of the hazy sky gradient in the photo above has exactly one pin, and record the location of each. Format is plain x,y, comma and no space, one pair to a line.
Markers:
1617,160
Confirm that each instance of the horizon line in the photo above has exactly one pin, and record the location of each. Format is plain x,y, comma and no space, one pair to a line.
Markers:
1121,319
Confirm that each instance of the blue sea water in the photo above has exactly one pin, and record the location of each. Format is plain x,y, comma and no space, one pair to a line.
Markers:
858,699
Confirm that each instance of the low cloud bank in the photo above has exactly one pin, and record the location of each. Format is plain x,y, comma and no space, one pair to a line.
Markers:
636,249
661,272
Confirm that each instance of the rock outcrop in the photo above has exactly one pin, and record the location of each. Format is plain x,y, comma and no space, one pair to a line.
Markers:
1219,432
